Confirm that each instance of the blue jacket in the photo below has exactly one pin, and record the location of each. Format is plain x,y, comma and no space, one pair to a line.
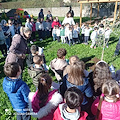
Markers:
85,88
18,92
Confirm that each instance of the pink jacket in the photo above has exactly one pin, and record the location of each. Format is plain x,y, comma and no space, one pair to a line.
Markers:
109,110
46,112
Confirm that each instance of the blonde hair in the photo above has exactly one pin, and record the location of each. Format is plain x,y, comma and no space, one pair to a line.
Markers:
73,59
76,74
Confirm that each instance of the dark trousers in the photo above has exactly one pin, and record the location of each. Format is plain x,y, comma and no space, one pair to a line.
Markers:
41,34
58,38
33,35
23,116
3,49
82,38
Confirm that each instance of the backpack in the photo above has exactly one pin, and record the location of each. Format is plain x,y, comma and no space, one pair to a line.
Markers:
35,73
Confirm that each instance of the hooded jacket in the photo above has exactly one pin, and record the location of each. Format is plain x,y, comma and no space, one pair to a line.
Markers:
18,92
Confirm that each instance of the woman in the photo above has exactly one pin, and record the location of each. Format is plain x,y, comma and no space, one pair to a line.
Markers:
19,47
68,19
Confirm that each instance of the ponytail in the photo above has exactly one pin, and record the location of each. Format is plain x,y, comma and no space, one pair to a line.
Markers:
44,85
99,106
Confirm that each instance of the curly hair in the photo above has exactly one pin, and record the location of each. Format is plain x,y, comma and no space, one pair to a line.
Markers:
101,75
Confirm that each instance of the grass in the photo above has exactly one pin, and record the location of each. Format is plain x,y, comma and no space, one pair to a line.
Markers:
84,52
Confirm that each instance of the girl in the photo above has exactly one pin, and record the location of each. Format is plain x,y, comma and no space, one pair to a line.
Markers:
108,107
100,75
45,101
76,77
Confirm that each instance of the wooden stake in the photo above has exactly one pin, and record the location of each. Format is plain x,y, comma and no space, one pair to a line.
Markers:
91,12
98,11
80,14
119,11
115,11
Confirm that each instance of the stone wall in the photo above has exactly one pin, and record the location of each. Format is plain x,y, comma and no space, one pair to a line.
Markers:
61,11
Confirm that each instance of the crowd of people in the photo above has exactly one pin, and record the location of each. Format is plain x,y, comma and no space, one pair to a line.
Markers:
78,94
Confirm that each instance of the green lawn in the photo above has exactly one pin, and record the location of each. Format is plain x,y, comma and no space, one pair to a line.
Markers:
84,52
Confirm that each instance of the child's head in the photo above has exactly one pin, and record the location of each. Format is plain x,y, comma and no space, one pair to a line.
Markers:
73,59
34,49
9,22
61,53
107,27
49,12
57,27
62,26
27,20
44,84
55,19
76,73
75,27
101,74
12,69
73,98
110,91
32,20
47,20
38,20
67,25
77,24
38,59
95,28
70,29
101,25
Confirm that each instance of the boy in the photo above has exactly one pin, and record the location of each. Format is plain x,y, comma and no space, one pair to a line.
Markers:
94,37
36,69
16,90
62,34
59,64
54,33
70,110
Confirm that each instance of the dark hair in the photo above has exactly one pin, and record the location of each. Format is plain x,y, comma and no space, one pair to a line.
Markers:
101,25
44,84
37,59
95,28
11,69
73,97
34,49
61,53
101,74
110,88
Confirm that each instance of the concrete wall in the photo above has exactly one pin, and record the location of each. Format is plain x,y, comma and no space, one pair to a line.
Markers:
61,11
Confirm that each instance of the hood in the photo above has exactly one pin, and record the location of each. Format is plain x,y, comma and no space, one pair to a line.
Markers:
14,84
68,116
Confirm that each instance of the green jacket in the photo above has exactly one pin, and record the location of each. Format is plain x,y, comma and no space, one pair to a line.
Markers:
62,32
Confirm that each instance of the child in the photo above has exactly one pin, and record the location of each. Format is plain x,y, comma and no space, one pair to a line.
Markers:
75,34
62,34
58,33
55,23
45,101
54,33
28,24
70,36
107,107
17,90
3,47
78,30
82,32
59,64
33,29
47,28
94,37
87,34
36,69
48,15
67,32
70,110
107,35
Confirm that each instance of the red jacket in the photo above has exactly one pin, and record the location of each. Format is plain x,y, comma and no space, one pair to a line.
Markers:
57,115
55,24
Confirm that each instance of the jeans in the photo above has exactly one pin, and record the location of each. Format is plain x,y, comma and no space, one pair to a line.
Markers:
23,116
58,38
63,39
54,37
8,40
86,39
71,41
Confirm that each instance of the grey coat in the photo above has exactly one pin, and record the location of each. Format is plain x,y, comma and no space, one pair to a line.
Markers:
17,48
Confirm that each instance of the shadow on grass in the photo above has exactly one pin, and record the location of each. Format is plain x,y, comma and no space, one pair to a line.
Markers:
113,40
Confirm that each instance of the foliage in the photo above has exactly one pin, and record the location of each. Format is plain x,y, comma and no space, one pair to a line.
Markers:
84,52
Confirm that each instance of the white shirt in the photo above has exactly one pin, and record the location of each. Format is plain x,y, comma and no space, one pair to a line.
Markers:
93,35
83,29
57,32
87,31
70,35
66,32
69,20
107,33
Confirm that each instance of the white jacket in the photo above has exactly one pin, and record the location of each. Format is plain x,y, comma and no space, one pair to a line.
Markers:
69,20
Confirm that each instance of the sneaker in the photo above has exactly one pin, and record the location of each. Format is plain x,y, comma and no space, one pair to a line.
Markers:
106,46
31,42
91,46
95,47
